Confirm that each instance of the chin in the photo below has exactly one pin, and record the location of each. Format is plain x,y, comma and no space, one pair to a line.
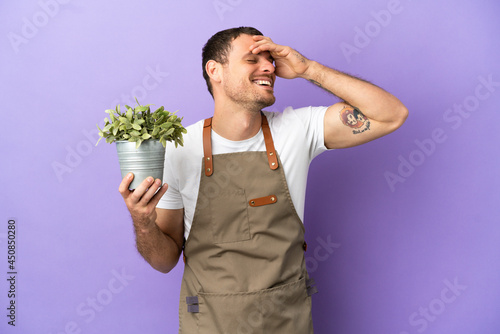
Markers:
265,104
268,102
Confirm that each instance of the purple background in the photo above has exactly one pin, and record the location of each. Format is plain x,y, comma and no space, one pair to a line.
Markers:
395,244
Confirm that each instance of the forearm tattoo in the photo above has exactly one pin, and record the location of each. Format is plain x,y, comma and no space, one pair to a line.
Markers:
354,118
320,85
300,57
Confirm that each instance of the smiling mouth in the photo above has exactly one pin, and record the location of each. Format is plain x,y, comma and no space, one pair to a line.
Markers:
263,83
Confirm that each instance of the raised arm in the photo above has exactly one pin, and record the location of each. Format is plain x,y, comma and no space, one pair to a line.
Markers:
159,232
367,111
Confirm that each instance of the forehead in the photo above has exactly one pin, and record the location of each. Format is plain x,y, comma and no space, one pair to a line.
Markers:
240,47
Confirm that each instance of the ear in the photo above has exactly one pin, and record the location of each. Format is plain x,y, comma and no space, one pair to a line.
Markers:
214,70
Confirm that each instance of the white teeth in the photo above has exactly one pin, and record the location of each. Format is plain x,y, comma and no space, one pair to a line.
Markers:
263,82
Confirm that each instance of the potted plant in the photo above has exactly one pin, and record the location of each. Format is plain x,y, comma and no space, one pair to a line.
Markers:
141,137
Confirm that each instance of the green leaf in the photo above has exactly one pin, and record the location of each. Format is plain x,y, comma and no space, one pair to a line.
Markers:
136,126
155,132
146,136
141,109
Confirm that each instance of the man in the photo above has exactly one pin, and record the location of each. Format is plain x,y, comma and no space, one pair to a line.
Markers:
236,190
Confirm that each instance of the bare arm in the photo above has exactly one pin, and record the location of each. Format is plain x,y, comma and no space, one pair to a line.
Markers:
368,112
159,232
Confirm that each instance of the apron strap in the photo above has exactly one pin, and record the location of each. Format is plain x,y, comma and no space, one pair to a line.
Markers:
207,145
268,139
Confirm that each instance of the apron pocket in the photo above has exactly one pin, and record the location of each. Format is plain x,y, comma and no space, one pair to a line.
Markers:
282,309
230,217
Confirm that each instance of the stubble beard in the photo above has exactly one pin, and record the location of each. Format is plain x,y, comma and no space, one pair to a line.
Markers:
247,97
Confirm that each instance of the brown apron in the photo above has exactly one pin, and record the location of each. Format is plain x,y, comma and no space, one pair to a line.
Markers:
244,258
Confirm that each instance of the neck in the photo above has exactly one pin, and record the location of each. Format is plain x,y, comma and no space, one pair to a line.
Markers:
235,123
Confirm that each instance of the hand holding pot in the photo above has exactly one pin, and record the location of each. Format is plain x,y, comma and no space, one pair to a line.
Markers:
142,201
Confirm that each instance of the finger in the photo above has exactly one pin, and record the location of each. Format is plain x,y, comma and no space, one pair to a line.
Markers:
266,45
259,40
125,184
159,194
146,198
258,48
260,37
141,190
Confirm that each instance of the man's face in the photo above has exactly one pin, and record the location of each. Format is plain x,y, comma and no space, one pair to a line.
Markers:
248,79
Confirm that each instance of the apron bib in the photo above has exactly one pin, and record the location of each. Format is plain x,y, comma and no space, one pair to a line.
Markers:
244,258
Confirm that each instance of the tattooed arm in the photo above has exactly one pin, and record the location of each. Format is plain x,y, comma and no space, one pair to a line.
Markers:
367,113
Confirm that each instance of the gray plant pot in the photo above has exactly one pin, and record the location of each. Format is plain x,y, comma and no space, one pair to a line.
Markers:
147,160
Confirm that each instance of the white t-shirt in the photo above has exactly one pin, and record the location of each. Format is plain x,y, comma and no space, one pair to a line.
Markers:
298,136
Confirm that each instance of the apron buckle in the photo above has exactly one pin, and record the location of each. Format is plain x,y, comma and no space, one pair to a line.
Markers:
192,304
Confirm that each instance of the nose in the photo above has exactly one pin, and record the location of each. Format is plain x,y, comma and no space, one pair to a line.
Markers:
267,66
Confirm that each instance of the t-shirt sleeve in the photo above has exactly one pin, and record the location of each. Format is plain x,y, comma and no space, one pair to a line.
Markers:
172,199
312,123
